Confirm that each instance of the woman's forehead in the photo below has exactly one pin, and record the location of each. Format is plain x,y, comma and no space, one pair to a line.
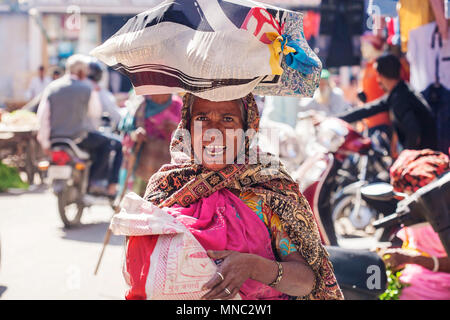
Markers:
222,107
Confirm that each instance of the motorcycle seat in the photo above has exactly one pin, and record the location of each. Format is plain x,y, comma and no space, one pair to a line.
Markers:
361,274
72,145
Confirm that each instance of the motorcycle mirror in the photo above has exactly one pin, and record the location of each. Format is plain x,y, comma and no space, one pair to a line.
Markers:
378,191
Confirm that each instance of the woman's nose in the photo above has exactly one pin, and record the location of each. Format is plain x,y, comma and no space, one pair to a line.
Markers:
214,132
215,124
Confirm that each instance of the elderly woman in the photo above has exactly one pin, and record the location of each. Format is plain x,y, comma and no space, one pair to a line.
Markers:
296,265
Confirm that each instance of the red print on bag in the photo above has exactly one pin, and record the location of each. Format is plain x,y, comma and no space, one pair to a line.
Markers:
260,21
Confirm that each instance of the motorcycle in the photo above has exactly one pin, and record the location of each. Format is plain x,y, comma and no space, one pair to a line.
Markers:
68,173
333,192
381,197
430,204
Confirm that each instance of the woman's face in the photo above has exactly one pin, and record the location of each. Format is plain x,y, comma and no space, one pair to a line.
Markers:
217,134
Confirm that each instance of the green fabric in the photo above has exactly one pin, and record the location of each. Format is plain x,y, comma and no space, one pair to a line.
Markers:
139,186
325,74
10,178
127,124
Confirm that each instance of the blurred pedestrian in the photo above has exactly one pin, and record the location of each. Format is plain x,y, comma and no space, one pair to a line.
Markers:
329,98
106,121
56,74
372,47
38,83
281,109
107,99
351,92
151,120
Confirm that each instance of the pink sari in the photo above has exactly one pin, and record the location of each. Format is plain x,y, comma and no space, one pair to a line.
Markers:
218,222
424,284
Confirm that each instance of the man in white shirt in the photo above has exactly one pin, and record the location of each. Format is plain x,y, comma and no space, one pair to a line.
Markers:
67,106
38,84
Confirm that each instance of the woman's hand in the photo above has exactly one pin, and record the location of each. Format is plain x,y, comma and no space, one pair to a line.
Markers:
298,278
139,135
235,269
396,259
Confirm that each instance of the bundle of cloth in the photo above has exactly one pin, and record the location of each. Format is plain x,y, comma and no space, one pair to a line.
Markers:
172,261
215,49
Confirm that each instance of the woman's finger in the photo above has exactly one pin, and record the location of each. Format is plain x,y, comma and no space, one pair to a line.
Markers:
217,290
233,294
221,291
218,254
215,280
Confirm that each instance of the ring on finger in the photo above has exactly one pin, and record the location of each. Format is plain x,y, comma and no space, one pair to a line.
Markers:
220,275
227,291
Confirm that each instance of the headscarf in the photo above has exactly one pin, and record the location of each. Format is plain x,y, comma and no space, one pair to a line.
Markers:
184,182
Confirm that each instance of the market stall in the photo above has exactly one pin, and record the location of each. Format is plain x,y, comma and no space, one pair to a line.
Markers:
18,145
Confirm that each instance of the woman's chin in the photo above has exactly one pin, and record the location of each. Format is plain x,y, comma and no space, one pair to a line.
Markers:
214,166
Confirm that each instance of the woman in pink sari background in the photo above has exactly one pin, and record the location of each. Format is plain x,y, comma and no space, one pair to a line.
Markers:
155,118
426,265
426,272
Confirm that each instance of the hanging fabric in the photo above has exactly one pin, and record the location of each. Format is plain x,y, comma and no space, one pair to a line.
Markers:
413,14
341,26
438,97
423,48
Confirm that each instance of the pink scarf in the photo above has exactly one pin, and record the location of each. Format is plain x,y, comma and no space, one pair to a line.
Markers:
223,222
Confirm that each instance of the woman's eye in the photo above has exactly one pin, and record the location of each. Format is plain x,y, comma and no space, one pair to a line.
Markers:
228,119
201,118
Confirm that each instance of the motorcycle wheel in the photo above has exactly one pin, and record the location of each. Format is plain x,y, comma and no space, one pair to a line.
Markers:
342,224
70,212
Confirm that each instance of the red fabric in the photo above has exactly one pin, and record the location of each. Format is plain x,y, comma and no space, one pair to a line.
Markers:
414,169
139,250
311,24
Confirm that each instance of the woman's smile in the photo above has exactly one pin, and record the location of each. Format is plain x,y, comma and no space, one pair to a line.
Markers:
214,150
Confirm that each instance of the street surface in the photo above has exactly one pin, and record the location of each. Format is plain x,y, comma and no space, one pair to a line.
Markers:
42,260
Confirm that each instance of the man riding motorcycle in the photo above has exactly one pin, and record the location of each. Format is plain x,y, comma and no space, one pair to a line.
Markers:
65,110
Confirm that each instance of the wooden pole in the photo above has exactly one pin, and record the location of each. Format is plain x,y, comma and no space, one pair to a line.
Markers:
107,237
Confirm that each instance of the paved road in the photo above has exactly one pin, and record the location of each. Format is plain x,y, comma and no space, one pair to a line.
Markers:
42,260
